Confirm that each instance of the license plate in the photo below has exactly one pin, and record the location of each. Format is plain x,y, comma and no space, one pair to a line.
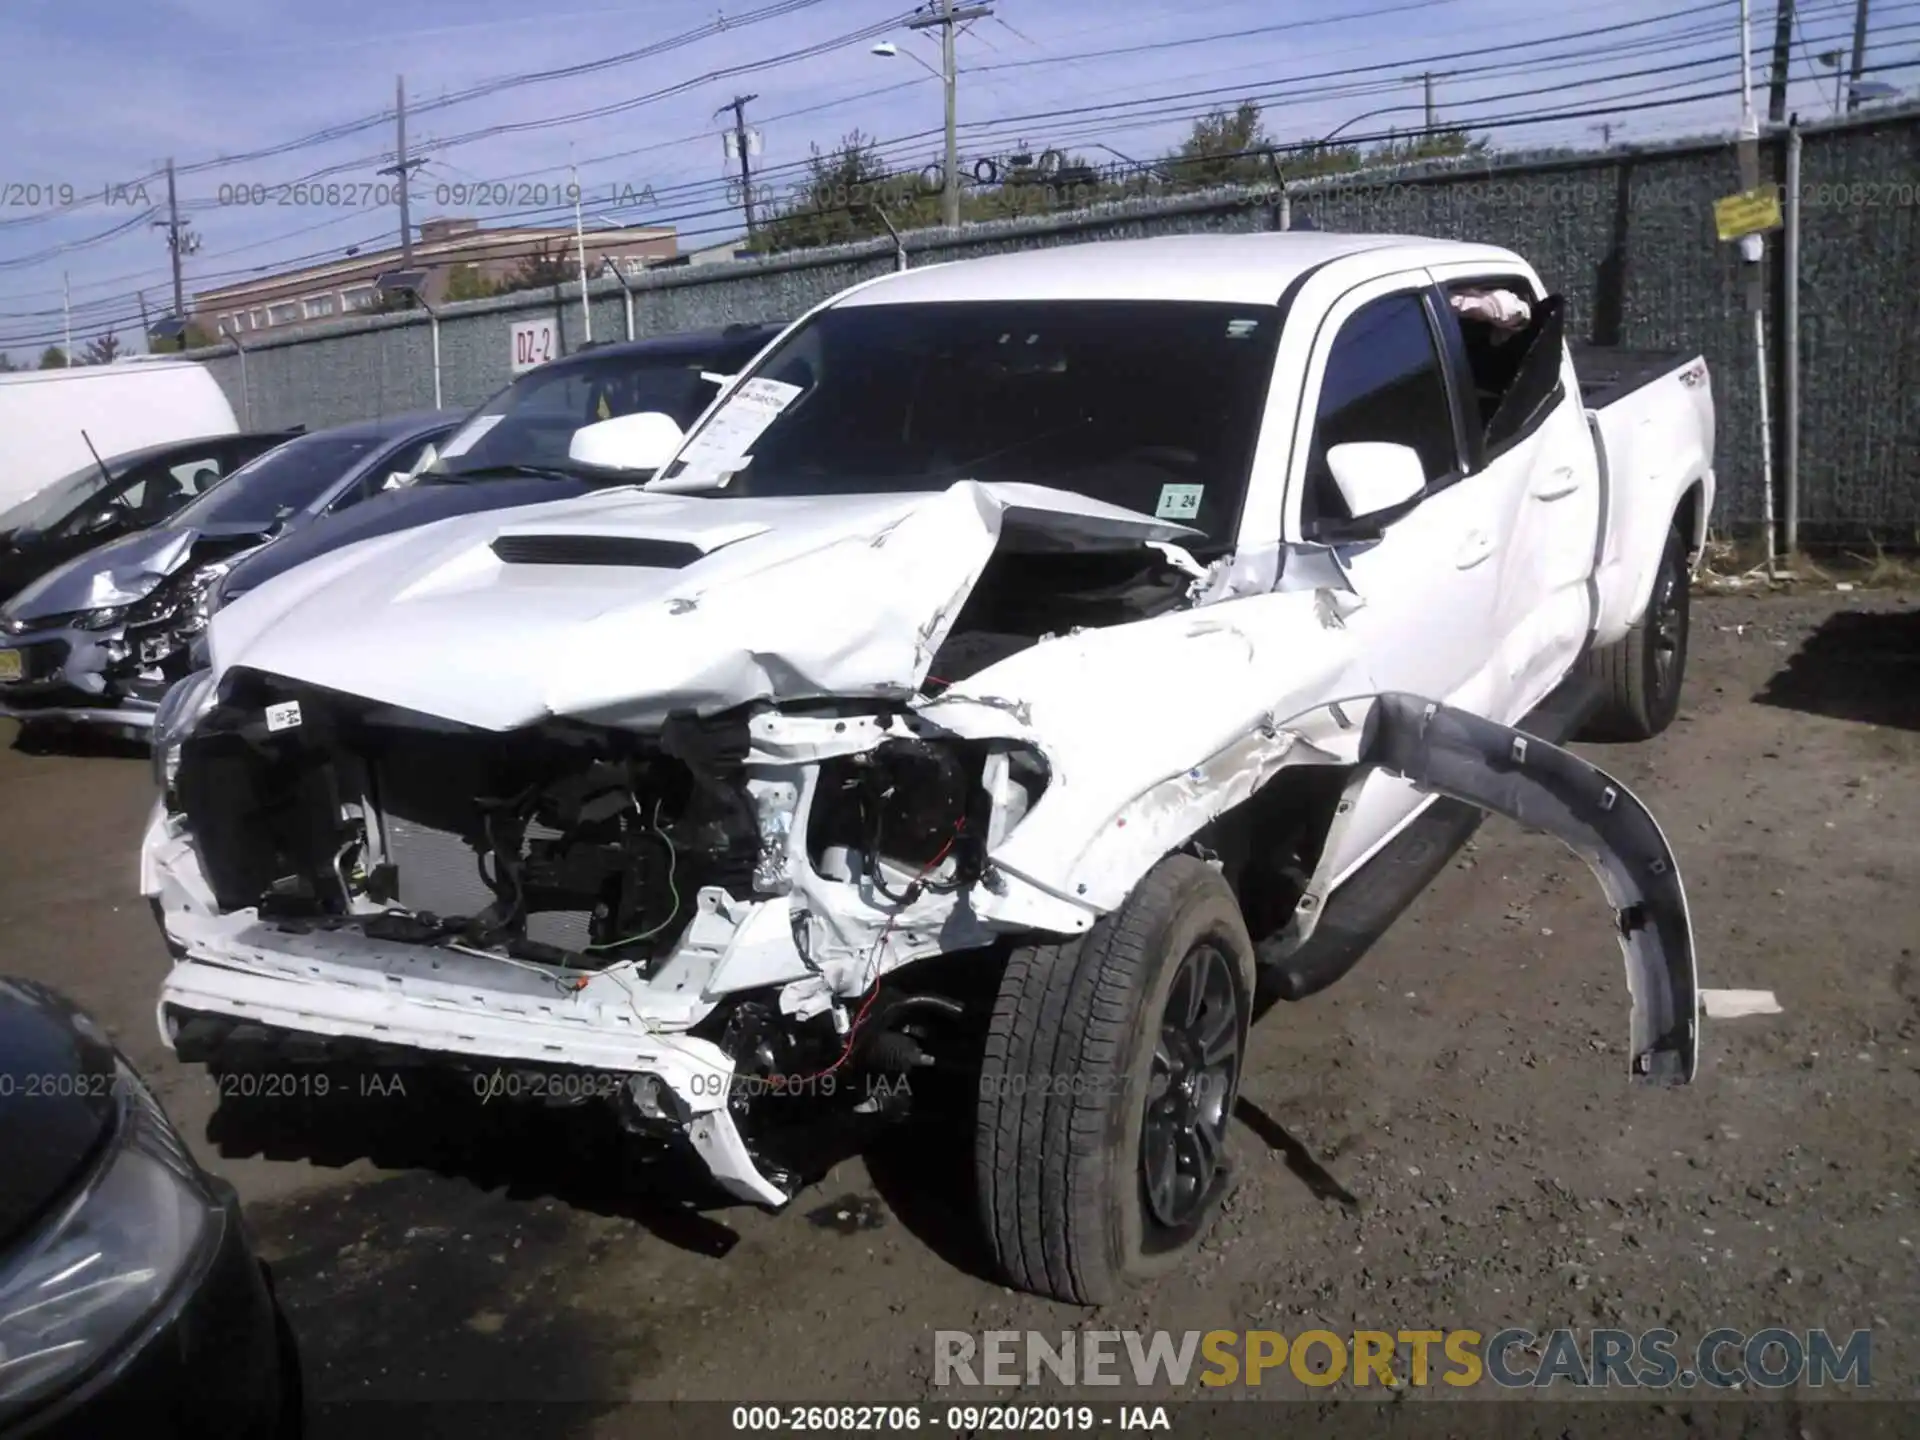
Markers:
12,666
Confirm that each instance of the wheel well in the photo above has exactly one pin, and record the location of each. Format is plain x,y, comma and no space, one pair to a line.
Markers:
1269,845
1690,516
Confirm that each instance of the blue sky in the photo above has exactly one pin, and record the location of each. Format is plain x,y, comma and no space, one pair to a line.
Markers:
102,91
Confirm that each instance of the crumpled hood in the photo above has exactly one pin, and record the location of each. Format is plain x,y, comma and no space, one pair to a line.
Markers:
116,573
622,609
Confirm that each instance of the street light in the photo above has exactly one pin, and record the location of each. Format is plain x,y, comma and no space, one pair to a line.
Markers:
950,182
1327,138
945,16
611,266
413,282
887,50
1833,59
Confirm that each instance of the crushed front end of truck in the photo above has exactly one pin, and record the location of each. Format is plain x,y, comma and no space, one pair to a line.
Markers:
741,892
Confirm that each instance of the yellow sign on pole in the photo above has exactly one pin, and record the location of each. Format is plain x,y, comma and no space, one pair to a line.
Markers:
1749,213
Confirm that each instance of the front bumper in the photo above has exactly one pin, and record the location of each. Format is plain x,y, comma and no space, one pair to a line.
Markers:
441,1001
64,677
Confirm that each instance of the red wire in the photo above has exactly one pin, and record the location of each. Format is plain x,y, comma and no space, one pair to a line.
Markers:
860,1015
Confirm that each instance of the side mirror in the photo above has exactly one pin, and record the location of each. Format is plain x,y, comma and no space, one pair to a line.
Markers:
1374,477
643,442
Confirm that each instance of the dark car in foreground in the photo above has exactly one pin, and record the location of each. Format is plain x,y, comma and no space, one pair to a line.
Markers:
119,495
131,1302
97,641
516,450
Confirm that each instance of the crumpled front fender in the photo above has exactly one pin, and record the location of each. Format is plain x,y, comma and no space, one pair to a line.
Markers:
1542,787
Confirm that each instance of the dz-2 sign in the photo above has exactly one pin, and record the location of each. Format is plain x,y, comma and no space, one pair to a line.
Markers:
534,343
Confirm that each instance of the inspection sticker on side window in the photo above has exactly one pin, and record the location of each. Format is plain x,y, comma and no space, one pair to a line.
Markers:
1179,502
283,716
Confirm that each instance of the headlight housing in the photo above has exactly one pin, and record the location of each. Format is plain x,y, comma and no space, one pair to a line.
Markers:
93,1275
179,711
104,618
185,600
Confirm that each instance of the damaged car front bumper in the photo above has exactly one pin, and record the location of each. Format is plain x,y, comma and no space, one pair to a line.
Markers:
816,928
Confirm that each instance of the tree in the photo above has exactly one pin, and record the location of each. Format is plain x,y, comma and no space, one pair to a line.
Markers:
840,199
7,363
465,282
1440,145
543,269
1224,148
102,349
53,358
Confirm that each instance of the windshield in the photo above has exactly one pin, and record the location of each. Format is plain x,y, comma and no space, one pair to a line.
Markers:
531,422
1151,405
265,491
51,504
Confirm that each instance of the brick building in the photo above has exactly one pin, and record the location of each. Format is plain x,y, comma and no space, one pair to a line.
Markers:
446,247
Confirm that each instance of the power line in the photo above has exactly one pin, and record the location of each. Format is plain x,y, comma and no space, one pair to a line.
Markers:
1136,116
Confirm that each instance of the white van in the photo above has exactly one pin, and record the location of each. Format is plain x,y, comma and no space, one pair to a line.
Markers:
123,406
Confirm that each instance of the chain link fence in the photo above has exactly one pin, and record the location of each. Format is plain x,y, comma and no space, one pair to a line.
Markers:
1627,235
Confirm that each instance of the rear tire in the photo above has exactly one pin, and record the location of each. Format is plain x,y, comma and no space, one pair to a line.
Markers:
1111,1069
1640,676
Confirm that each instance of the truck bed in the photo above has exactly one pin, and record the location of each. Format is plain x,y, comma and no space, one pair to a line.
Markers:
1653,423
1609,374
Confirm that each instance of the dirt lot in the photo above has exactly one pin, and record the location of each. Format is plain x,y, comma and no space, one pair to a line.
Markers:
1447,1138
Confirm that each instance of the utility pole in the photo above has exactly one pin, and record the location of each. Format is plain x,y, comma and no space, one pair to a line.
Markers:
1859,54
401,168
580,241
738,105
945,19
181,241
1782,60
1753,251
141,296
1426,79
66,312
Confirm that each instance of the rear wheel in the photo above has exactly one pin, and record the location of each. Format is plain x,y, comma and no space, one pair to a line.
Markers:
1111,1070
1640,675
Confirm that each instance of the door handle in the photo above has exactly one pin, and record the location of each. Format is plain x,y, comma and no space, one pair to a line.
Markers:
1477,547
1557,486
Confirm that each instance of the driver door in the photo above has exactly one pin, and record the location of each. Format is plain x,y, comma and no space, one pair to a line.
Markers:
1424,573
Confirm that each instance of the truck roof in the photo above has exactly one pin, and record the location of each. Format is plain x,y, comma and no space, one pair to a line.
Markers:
1244,269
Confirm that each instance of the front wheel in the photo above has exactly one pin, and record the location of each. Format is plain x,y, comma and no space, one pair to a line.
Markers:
1112,1065
1640,675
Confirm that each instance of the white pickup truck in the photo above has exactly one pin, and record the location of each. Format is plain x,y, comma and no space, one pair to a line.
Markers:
1022,672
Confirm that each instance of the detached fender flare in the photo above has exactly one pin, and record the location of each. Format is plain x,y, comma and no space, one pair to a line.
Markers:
1544,788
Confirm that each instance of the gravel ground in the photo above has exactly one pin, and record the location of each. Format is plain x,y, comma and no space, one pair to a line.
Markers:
1447,1138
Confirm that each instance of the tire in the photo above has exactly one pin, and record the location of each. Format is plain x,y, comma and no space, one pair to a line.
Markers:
1077,1049
1640,675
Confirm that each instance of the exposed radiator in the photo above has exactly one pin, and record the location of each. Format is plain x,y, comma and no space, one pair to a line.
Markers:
439,871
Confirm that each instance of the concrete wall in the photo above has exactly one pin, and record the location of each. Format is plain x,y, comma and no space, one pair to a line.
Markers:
1627,236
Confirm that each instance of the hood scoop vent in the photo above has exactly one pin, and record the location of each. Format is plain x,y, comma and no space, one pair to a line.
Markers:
636,552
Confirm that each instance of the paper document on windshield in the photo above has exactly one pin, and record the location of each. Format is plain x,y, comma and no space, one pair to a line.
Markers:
724,442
